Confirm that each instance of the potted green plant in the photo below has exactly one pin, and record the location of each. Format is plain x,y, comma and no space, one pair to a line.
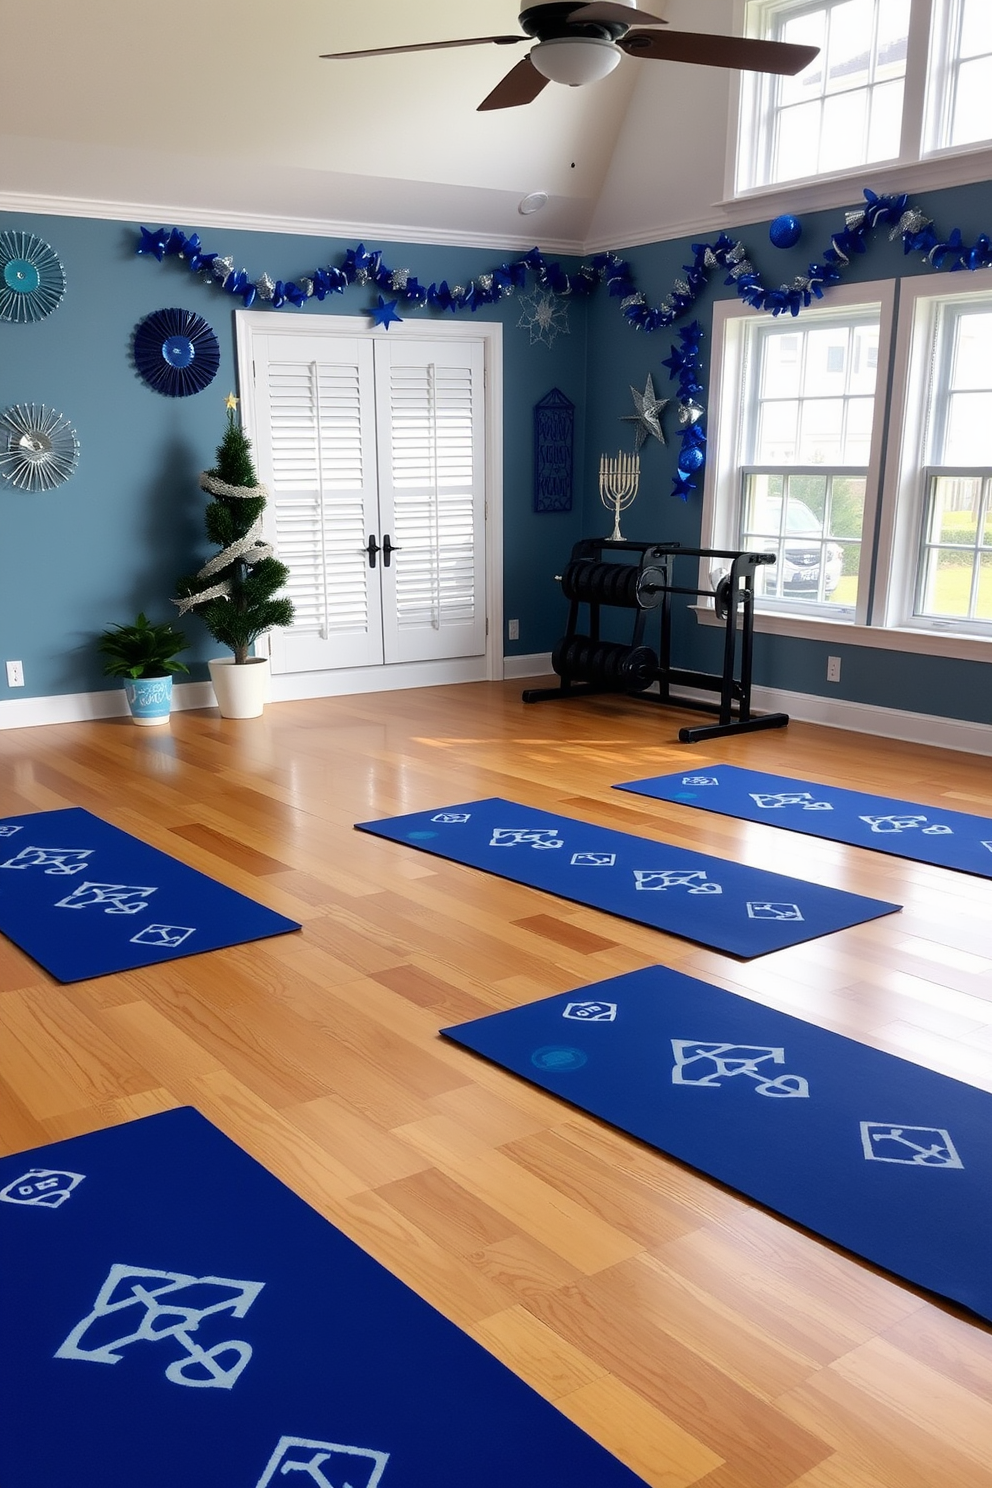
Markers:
144,655
235,592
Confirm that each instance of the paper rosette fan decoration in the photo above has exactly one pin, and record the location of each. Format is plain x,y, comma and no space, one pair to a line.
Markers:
176,352
32,279
38,447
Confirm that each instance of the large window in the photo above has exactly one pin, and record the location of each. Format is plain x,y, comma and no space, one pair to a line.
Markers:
936,559
809,400
895,81
806,416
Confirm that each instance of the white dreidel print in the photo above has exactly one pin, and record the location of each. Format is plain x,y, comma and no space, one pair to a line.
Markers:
327,1464
539,837
41,1188
170,1307
707,1064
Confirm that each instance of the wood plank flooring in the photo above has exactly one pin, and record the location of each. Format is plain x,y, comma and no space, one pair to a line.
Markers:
699,1338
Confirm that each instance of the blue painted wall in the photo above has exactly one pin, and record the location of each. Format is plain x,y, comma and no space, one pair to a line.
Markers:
113,539
621,358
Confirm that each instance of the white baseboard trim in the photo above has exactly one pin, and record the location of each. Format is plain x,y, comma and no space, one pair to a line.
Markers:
804,707
882,723
867,718
289,687
537,665
80,707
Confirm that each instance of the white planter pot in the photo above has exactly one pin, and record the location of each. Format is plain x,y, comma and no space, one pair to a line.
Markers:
241,691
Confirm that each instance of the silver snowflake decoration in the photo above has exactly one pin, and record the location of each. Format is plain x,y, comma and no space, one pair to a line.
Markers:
543,316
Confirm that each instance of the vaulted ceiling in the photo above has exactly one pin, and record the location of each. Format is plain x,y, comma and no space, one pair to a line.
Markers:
216,114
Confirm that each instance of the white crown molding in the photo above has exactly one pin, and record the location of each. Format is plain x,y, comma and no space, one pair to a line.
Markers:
312,227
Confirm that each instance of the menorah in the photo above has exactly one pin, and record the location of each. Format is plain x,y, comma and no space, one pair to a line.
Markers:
619,478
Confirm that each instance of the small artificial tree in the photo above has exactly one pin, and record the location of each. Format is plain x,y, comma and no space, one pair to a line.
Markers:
233,593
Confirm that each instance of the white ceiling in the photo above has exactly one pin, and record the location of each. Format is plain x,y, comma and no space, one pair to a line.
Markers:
208,114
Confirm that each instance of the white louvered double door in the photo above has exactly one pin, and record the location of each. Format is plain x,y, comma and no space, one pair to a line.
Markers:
374,455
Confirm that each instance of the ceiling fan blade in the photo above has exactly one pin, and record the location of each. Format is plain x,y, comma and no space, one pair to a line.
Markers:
424,46
624,15
739,52
521,85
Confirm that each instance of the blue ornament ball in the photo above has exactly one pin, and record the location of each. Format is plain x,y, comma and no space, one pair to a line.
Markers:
691,459
785,231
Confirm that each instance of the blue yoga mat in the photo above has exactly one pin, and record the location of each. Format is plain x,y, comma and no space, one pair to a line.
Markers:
83,898
926,834
883,1157
171,1316
728,906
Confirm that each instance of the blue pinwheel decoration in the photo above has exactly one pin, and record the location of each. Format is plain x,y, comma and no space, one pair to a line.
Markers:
176,352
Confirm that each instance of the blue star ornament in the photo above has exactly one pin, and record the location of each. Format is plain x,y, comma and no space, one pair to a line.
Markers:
384,313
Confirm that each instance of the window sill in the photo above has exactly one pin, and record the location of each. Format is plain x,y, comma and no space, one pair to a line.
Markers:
949,168
877,638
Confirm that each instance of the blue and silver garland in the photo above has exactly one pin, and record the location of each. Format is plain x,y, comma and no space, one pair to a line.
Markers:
725,255
32,279
176,352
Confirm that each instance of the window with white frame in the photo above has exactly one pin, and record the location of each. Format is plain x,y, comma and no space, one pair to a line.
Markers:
960,74
799,412
895,81
796,459
936,568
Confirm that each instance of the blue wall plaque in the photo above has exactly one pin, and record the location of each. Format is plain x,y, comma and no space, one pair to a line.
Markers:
554,432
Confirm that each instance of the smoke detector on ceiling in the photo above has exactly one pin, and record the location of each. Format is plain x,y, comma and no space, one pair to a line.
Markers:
532,202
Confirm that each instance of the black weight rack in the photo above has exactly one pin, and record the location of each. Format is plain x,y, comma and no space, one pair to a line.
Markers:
588,665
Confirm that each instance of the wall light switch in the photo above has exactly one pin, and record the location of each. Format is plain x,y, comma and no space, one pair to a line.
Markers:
513,630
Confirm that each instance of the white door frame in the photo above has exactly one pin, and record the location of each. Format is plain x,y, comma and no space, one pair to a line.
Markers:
249,324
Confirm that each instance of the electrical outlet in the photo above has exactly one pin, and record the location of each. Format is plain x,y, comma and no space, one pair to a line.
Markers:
833,668
513,630
15,674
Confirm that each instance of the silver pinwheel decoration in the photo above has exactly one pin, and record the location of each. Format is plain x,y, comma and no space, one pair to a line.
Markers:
38,447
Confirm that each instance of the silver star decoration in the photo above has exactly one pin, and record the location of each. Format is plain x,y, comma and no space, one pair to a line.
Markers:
647,419
543,317
399,279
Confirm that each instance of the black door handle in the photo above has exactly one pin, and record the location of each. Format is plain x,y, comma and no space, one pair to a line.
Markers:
372,549
387,550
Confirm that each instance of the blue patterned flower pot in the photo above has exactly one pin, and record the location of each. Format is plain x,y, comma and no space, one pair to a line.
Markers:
150,699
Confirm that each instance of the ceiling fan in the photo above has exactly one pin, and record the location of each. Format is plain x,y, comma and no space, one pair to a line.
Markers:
579,43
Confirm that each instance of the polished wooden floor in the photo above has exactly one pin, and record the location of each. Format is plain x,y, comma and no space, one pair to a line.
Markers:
699,1338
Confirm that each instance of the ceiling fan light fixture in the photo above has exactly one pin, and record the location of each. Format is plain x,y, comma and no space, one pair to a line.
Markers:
574,60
